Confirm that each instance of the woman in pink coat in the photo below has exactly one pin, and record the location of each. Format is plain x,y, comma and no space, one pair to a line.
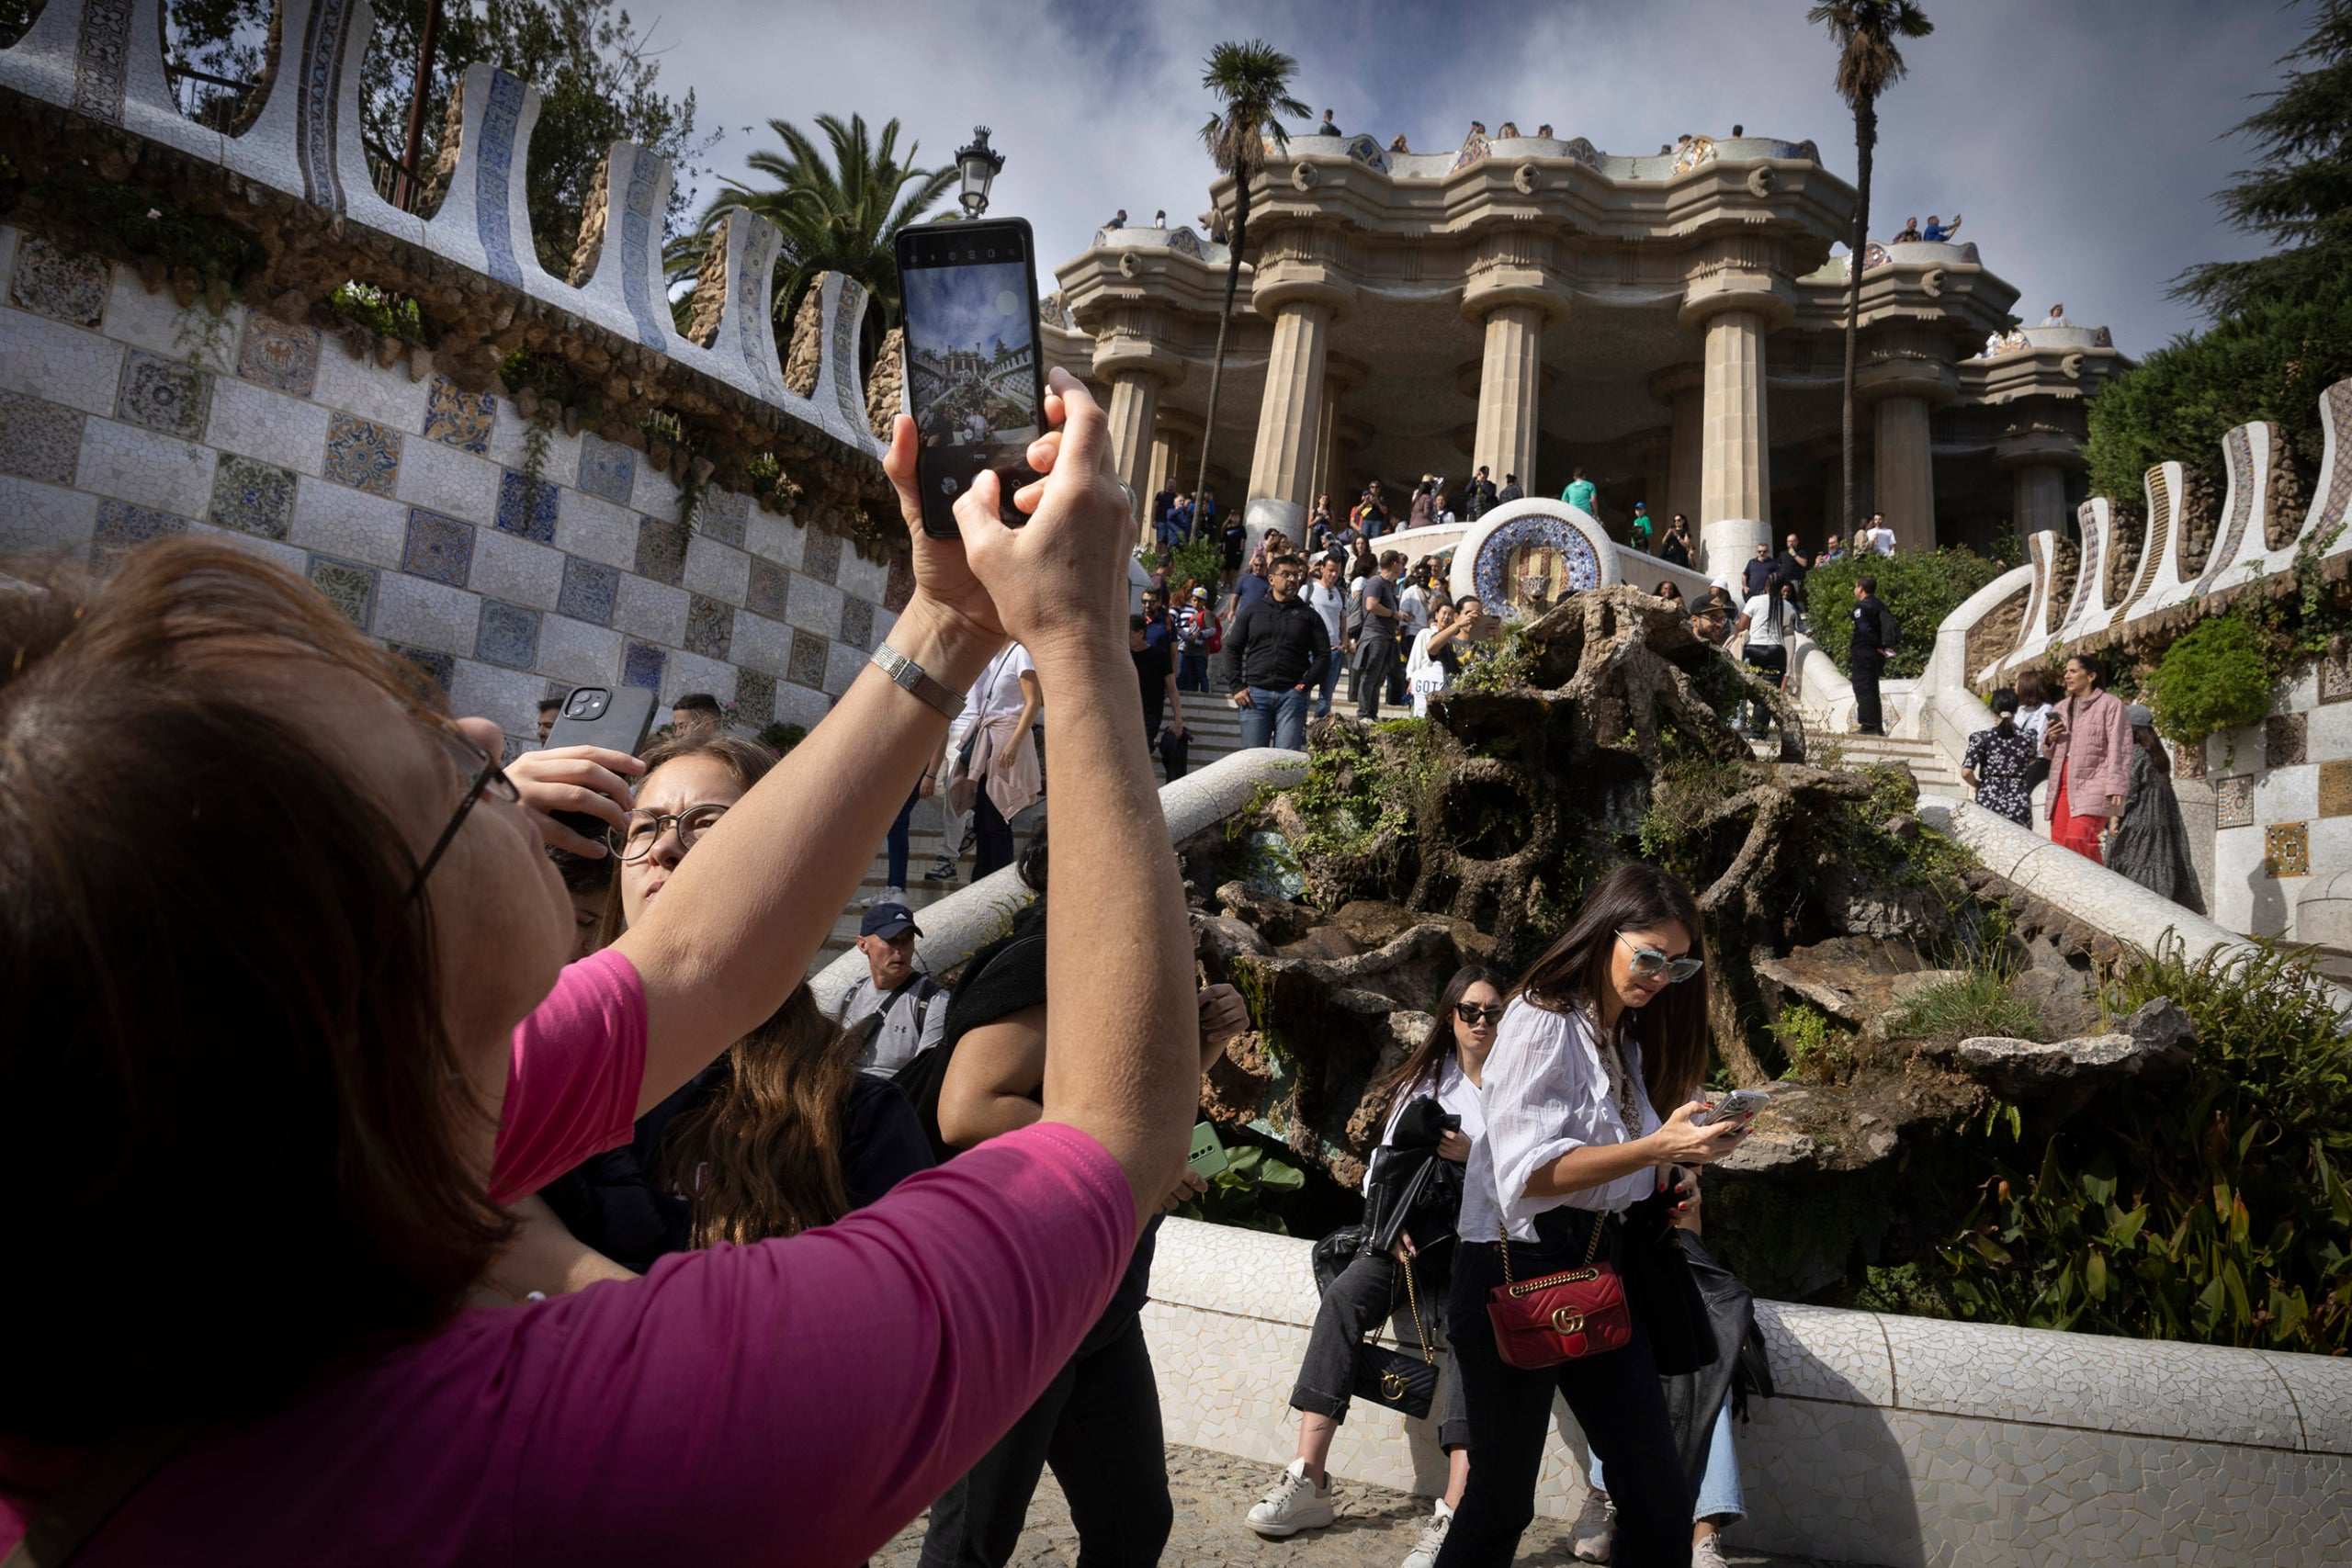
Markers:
2088,742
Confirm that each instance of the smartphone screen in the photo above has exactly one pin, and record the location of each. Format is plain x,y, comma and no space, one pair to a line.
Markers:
974,384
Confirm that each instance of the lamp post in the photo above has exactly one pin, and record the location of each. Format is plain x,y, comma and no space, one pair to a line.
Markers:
980,163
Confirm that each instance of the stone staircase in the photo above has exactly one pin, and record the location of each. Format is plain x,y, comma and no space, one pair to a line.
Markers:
1215,730
1927,764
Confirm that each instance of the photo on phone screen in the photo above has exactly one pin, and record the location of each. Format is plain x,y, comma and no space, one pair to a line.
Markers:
974,384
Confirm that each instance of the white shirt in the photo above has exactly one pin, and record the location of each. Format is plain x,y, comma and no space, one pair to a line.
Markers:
1331,604
1455,1093
1546,1093
1881,540
1761,632
2034,719
996,693
1414,605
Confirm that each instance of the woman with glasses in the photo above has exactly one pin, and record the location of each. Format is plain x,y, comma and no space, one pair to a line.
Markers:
257,889
1607,1025
1447,1067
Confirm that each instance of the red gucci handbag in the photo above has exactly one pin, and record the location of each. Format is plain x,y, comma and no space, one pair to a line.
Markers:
1541,1322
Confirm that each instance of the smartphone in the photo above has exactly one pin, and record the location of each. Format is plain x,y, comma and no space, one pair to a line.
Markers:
974,383
1738,1103
618,719
1207,1157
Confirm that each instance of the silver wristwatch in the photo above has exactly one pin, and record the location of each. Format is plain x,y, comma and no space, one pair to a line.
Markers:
912,676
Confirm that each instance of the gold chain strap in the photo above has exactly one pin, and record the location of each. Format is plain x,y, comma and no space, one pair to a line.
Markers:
1414,1297
1503,1233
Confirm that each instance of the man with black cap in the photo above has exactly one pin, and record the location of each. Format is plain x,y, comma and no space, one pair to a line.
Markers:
914,1006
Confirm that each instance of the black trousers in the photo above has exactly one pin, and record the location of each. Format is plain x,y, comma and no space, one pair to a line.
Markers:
1615,1396
994,835
1098,1424
1368,1289
1376,661
1867,717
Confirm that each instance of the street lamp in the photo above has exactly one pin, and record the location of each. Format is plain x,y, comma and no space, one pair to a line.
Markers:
981,164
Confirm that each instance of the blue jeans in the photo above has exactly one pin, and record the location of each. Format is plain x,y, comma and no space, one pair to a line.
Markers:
1331,669
1192,671
1719,1494
898,840
1276,716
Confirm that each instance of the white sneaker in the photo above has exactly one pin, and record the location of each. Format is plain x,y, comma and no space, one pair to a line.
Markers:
1707,1552
1424,1553
1596,1528
1292,1503
888,895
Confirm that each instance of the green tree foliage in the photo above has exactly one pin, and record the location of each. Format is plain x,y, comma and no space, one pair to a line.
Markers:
1920,588
2215,677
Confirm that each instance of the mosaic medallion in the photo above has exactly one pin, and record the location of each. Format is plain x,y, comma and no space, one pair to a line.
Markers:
2335,788
711,626
2336,676
641,666
439,668
2286,850
2282,740
274,355
349,587
1532,563
590,590
2234,801
163,395
439,547
71,289
363,453
458,418
857,621
754,697
820,556
121,527
661,550
607,468
39,440
806,667
526,508
508,634
721,514
252,496
770,586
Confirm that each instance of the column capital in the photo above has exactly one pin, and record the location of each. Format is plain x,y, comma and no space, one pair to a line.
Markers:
1906,374
1126,355
2038,444
1498,286
1345,374
1299,283
1740,271
1180,423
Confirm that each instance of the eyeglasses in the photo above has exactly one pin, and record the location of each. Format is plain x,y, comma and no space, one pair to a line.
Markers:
645,828
1475,1015
1649,963
479,765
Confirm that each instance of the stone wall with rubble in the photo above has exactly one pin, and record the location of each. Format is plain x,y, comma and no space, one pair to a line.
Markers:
411,503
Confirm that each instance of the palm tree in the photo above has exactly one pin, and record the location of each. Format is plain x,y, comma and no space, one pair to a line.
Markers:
1253,81
1868,64
838,215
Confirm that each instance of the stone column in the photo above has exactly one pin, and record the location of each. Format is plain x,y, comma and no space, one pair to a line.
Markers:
2040,450
1508,378
2041,499
1175,449
1906,376
1681,390
1281,470
1129,356
1734,480
1340,376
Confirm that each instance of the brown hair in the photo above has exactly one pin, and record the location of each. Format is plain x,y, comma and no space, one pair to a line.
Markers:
1422,1064
747,763
1574,970
760,1154
225,1057
2033,685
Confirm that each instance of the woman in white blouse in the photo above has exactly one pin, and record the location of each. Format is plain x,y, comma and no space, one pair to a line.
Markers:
1609,1024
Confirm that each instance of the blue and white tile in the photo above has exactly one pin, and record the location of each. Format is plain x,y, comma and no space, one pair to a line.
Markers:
252,421
274,551
815,608
335,520
579,654
717,570
528,508
607,468
641,665
508,698
36,517
588,526
144,469
507,635
720,515
64,363
122,526
760,644
692,672
654,494
156,323
842,664
427,614
68,284
866,578
359,387
588,590
650,612
456,483
515,570
39,439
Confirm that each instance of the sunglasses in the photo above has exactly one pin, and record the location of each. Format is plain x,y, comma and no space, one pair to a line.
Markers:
1649,963
1474,1015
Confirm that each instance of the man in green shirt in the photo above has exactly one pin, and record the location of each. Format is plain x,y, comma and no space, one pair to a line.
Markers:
1580,494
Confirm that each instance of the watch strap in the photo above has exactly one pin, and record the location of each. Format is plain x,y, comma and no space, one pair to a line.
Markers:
910,676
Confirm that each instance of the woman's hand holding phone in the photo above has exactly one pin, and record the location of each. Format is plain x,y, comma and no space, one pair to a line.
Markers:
592,781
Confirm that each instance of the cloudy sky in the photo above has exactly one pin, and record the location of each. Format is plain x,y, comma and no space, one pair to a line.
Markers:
2082,139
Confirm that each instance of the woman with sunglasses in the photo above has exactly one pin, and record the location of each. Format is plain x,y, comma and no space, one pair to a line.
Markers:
336,943
1448,1068
1607,1025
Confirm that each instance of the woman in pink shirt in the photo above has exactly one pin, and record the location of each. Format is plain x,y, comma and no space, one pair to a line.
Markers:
2089,741
282,953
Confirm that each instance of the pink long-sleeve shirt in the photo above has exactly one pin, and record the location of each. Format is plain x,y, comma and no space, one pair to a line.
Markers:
796,1401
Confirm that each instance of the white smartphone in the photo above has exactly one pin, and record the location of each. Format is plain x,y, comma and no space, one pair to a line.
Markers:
1738,1103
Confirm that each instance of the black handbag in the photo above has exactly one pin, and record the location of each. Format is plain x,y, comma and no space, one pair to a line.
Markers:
1392,1378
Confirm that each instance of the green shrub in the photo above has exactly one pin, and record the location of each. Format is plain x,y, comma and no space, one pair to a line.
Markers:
1814,1049
2214,677
1979,1003
1194,560
1921,588
388,314
1242,1192
780,737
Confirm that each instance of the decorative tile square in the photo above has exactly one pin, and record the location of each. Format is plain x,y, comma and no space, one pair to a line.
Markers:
121,525
439,668
253,497
439,547
509,635
458,418
807,665
754,699
2335,788
276,354
163,394
348,587
606,469
526,508
641,666
857,622
2286,850
721,514
2234,801
770,585
71,289
588,591
2187,761
901,587
820,556
710,623
39,440
661,550
363,453
2282,740
2335,677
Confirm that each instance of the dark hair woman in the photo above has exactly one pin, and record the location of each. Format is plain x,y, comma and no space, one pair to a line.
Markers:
261,897
1446,1067
2089,741
1609,1024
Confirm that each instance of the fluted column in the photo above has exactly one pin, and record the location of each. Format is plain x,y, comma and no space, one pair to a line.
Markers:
1734,480
1340,376
2041,499
1510,377
1134,395
1683,389
1905,466
1281,470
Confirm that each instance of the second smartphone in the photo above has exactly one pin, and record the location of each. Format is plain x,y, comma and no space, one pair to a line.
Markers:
974,383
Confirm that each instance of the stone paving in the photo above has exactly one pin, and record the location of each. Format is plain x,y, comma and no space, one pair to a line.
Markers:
1375,1528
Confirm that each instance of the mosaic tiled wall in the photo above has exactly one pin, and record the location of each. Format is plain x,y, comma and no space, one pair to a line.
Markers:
1891,1440
409,503
2282,795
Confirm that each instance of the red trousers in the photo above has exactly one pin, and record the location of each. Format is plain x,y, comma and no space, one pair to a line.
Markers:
2079,834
